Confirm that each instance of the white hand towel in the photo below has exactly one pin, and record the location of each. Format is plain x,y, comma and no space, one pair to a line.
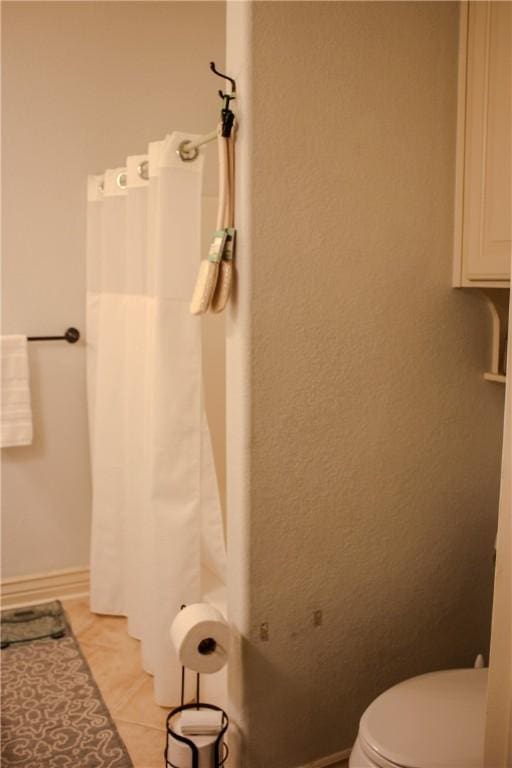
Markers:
16,421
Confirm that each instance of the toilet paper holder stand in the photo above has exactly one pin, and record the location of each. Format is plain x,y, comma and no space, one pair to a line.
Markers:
220,748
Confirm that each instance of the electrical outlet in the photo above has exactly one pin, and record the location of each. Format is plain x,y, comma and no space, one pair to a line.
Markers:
264,633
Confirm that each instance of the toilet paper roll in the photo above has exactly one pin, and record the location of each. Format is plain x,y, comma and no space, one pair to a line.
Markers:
200,722
201,638
180,754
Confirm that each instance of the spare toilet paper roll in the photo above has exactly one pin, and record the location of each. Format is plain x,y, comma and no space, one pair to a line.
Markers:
180,754
200,722
201,638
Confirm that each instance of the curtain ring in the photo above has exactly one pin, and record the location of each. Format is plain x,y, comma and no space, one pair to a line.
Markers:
122,180
143,170
187,154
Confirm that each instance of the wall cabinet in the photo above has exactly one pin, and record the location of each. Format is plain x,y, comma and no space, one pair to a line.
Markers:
484,170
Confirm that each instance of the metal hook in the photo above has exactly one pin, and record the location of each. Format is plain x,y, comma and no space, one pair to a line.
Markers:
227,114
220,74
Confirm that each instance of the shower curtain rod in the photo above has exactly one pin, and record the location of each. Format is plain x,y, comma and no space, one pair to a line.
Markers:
189,150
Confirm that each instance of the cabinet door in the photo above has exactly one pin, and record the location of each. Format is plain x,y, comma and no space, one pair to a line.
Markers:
486,238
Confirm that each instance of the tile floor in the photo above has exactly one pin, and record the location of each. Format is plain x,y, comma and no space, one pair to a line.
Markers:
114,658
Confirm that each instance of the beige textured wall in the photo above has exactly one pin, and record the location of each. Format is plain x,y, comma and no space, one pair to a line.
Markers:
363,443
84,84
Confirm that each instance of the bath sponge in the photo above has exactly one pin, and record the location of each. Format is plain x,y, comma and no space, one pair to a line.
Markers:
208,274
215,277
226,268
204,288
209,269
225,277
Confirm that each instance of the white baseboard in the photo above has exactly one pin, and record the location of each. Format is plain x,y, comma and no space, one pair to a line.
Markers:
28,590
331,761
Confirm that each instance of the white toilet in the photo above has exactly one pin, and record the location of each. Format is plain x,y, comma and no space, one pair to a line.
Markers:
431,721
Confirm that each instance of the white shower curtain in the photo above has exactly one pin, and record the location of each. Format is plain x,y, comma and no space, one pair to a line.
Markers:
157,538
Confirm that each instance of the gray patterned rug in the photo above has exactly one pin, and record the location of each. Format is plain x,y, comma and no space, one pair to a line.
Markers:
53,715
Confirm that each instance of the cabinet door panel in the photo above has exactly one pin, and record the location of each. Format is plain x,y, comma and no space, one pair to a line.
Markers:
487,195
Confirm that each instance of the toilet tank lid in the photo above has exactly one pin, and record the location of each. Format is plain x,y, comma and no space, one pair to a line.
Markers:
431,721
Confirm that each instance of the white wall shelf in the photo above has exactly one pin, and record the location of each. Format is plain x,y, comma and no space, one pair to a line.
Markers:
498,302
499,378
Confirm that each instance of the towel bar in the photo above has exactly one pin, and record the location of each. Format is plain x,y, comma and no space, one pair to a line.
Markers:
72,335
